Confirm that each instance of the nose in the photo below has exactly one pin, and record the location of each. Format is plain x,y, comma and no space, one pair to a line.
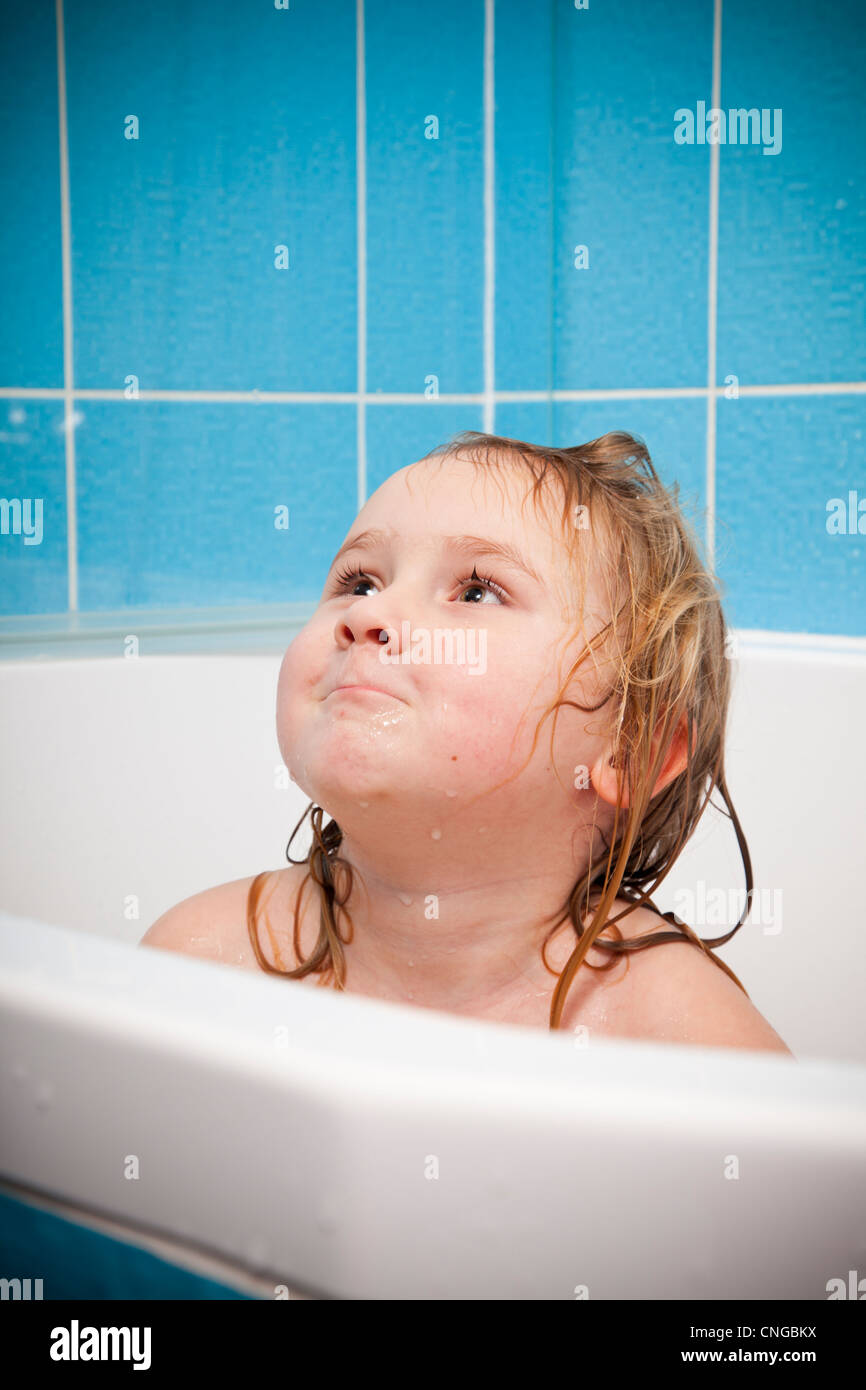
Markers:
369,624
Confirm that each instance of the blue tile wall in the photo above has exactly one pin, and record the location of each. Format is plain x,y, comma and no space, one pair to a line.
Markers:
637,316
784,460
178,499
248,143
31,284
792,226
425,218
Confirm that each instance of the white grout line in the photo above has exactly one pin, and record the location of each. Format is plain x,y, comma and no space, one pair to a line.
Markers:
805,388
489,220
361,217
712,296
637,393
68,364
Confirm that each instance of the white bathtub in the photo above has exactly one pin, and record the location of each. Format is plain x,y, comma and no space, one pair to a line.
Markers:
130,784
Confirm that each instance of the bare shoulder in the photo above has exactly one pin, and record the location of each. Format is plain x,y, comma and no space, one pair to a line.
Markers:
213,924
674,992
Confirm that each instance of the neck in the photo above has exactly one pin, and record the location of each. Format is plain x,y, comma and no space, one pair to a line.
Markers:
453,938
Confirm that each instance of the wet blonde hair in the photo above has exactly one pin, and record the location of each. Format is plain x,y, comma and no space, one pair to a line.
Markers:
668,635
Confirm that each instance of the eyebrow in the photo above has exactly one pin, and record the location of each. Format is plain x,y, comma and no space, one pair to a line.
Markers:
462,545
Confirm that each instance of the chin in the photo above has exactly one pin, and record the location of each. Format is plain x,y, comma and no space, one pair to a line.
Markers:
337,776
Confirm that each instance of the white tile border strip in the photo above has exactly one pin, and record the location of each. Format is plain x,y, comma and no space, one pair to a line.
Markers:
804,646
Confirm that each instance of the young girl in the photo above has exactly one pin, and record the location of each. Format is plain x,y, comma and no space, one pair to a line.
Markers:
514,718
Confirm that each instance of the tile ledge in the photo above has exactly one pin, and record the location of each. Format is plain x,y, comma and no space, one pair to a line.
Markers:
248,629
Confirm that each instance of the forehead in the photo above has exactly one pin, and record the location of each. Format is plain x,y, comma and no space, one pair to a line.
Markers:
452,496
449,496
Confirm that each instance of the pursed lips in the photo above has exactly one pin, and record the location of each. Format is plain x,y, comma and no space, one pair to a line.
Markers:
364,685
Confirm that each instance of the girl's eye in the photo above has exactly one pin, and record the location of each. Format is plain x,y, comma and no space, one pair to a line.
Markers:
349,579
477,580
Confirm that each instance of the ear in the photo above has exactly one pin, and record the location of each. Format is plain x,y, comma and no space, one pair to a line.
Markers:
604,774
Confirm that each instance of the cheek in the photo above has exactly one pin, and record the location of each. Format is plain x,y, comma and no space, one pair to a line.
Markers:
298,674
481,730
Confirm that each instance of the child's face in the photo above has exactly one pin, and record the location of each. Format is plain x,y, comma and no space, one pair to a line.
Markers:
425,760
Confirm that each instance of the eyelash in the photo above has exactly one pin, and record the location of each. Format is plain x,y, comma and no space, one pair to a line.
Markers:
343,581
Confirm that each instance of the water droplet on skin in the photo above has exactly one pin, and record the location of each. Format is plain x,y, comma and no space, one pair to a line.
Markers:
436,834
410,962
211,947
450,793
482,829
410,995
363,805
405,899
